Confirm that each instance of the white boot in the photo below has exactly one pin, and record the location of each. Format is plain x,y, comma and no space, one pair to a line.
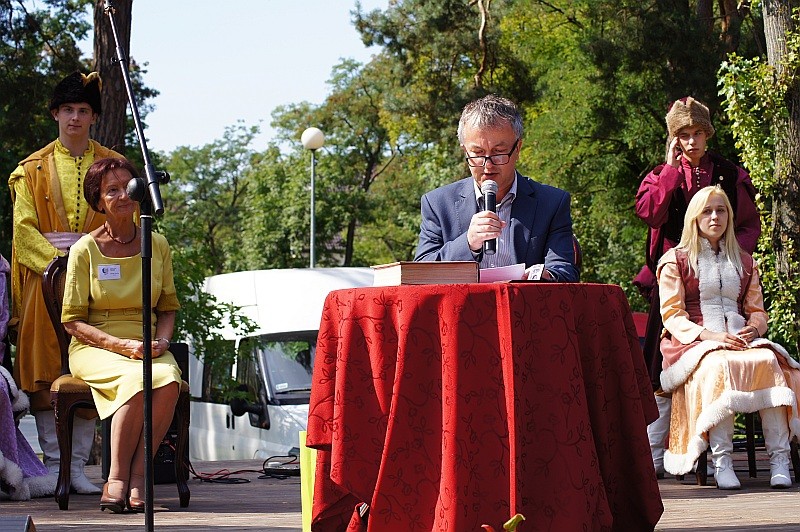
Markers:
720,439
82,440
48,441
776,438
657,432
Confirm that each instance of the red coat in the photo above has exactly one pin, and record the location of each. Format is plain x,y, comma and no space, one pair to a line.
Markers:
657,196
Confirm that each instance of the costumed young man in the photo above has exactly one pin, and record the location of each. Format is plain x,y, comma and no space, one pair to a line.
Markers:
661,203
22,475
532,224
50,214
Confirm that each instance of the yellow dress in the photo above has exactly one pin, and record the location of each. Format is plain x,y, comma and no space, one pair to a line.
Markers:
106,292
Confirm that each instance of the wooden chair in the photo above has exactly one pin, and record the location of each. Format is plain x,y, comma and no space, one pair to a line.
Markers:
68,393
577,253
750,447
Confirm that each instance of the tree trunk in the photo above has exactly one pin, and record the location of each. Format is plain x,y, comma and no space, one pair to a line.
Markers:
731,24
705,15
110,128
786,131
350,242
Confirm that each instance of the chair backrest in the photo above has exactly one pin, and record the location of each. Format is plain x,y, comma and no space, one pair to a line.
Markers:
576,250
53,291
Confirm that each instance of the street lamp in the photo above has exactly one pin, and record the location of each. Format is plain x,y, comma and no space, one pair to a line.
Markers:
312,139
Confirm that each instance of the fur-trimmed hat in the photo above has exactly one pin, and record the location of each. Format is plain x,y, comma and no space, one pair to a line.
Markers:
688,112
77,88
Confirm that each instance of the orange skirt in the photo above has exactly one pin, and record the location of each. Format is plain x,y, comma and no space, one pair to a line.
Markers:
725,382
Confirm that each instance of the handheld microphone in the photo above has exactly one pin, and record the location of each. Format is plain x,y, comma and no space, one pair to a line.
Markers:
489,191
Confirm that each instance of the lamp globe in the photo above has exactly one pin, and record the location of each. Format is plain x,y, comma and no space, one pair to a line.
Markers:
312,138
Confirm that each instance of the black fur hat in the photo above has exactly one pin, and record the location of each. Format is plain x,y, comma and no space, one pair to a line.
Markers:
77,88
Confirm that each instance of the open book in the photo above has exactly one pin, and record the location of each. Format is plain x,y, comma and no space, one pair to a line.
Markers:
435,272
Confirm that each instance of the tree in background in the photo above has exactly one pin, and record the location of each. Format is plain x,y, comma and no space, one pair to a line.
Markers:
112,129
357,151
609,70
38,47
206,198
762,98
204,202
594,77
116,128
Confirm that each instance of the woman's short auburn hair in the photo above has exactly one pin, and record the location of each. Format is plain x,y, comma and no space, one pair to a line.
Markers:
94,178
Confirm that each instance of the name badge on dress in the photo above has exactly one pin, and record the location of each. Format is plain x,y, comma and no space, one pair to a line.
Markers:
108,272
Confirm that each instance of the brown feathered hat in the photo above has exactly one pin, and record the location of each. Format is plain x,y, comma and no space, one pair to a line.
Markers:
78,88
688,112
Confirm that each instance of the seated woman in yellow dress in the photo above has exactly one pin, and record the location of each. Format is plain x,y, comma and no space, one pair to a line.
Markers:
716,362
103,313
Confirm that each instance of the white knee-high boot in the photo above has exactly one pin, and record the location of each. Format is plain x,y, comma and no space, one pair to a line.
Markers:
657,432
82,440
776,438
48,441
720,439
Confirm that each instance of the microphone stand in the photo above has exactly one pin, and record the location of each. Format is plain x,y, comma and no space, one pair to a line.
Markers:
149,203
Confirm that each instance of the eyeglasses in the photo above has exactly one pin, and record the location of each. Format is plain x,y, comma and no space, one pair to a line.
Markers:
498,158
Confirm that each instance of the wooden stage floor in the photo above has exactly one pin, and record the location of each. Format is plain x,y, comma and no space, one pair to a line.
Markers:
262,504
272,505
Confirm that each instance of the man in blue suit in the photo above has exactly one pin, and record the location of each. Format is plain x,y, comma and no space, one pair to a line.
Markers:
532,225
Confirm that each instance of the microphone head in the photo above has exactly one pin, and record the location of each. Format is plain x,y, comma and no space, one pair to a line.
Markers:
488,187
136,189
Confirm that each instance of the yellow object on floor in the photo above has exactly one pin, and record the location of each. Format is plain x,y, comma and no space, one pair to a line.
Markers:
308,466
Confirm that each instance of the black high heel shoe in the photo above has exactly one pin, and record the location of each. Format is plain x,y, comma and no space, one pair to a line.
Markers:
107,502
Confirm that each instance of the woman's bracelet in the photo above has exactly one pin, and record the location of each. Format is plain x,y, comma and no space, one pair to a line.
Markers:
162,338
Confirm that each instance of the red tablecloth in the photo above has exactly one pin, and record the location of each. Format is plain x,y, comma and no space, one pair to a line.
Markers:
448,406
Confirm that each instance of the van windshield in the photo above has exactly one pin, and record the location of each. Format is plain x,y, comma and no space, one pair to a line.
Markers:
289,360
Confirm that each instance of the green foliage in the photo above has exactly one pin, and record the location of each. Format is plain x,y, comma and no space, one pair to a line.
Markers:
202,221
275,232
755,102
358,150
202,317
38,47
393,231
594,78
206,196
605,72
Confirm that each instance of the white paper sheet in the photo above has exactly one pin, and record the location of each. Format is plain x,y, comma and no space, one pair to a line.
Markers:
502,273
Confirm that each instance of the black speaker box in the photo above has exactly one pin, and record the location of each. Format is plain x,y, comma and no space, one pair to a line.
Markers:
164,460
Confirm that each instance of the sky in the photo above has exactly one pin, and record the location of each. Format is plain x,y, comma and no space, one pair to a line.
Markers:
215,62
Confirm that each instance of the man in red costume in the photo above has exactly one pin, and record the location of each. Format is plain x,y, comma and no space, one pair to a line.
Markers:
661,202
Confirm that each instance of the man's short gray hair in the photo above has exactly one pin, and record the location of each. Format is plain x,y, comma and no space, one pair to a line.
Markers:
490,112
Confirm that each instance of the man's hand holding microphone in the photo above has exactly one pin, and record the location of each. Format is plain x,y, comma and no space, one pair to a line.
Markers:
485,226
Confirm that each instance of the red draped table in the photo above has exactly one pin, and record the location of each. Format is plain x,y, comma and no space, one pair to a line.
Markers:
444,407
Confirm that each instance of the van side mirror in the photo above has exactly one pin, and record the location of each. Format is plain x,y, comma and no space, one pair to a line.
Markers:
240,407
259,416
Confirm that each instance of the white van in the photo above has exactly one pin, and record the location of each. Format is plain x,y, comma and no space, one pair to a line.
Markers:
286,306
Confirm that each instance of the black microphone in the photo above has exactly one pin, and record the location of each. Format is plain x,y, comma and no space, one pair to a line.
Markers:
489,191
137,187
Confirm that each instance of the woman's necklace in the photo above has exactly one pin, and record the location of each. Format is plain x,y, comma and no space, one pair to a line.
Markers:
118,241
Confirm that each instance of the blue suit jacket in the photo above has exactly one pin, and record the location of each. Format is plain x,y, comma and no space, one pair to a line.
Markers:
541,226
